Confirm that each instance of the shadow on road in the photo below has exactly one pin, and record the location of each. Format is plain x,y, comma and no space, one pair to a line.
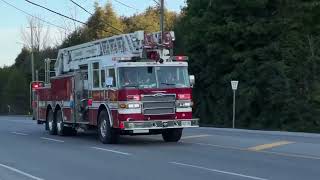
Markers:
127,140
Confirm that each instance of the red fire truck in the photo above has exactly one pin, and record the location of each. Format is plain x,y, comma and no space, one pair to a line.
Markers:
128,84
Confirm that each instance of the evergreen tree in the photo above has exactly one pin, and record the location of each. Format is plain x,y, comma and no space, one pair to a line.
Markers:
270,46
15,93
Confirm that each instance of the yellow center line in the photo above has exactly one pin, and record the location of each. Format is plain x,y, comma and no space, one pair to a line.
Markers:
269,146
265,152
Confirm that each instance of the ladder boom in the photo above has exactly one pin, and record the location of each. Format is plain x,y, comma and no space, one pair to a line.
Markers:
129,45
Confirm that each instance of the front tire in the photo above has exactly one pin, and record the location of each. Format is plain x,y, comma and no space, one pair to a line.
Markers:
51,123
107,134
171,135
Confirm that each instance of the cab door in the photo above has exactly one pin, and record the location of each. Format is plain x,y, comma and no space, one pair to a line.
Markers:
81,96
110,91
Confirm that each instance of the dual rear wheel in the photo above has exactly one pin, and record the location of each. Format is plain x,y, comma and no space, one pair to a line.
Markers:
55,124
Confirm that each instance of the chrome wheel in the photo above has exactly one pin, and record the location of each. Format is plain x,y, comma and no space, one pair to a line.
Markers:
50,125
103,128
59,126
61,129
106,133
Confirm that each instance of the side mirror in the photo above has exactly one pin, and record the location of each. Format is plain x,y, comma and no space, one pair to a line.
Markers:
192,80
109,82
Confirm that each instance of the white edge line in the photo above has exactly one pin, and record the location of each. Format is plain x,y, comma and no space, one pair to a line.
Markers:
218,171
18,133
109,150
20,172
50,139
196,136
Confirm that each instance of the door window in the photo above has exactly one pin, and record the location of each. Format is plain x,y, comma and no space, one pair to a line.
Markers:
95,75
112,74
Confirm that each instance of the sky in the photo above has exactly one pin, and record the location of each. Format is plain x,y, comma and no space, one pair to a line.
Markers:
14,22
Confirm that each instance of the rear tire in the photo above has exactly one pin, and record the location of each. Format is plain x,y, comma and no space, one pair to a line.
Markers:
106,134
61,129
171,135
51,123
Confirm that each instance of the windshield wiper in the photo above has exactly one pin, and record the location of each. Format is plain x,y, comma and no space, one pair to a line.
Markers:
168,84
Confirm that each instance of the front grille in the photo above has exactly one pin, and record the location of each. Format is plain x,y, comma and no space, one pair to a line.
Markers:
158,104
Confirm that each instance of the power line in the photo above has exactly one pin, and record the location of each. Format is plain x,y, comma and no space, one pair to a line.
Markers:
56,12
156,2
73,19
81,7
126,5
9,4
92,14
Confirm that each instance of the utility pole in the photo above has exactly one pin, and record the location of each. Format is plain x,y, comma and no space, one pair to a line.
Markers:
37,75
161,18
32,56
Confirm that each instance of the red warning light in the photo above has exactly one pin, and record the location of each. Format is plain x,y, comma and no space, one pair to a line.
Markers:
90,102
180,58
36,84
121,126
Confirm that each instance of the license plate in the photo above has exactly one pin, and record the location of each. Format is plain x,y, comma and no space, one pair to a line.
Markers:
185,123
141,131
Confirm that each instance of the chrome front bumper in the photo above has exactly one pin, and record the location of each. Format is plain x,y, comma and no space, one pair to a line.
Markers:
160,124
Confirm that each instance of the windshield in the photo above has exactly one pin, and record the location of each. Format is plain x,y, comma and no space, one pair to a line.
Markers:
153,77
141,77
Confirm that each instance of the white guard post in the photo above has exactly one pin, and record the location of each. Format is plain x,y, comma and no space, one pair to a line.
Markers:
234,86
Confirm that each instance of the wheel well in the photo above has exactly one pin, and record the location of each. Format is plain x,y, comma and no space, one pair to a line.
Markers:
101,108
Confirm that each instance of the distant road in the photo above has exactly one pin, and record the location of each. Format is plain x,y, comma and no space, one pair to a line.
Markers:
27,152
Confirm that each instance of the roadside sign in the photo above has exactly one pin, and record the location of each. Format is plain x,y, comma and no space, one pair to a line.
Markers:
234,85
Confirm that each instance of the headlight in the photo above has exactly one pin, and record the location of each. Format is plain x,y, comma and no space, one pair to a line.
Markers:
184,104
129,105
133,106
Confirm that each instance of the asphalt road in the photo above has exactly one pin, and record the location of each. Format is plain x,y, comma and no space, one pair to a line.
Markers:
27,152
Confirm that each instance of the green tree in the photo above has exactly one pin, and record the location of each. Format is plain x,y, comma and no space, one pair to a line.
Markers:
149,20
3,81
103,23
16,93
270,46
